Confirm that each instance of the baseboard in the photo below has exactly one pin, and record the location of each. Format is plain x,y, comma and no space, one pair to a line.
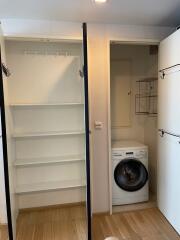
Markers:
134,207
3,224
100,214
65,205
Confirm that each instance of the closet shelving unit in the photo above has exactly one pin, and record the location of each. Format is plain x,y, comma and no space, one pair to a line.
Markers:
45,104
67,160
49,186
48,131
46,134
48,160
146,98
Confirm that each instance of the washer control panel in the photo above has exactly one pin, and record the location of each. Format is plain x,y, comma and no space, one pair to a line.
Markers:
141,154
116,154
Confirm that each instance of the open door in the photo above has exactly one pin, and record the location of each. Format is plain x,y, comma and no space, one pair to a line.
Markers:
4,73
169,130
86,98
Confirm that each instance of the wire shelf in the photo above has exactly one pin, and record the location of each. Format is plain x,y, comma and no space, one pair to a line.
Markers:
146,98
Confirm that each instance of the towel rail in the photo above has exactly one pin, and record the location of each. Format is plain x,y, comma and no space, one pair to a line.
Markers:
162,71
168,133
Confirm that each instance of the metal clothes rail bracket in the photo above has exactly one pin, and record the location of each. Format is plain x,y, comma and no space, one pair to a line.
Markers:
163,132
162,71
5,70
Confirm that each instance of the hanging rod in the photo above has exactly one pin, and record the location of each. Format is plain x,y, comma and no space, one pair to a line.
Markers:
169,133
54,53
164,69
168,68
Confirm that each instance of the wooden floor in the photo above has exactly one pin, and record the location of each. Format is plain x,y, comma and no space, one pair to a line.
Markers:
70,224
148,224
3,232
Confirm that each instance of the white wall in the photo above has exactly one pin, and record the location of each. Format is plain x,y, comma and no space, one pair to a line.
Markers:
98,47
39,28
138,55
150,129
47,72
99,36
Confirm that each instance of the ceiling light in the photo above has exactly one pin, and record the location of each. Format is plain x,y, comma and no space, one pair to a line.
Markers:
100,1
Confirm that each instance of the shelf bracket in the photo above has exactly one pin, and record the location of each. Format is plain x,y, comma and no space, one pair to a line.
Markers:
162,75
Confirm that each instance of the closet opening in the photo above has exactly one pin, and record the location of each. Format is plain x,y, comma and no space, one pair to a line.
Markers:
133,114
47,143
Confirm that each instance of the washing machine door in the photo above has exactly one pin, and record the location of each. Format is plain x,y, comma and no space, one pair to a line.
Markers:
130,175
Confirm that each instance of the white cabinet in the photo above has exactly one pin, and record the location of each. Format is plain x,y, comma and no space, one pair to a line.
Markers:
168,179
169,100
169,51
169,121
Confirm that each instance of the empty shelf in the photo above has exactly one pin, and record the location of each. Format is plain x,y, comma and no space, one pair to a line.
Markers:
46,134
28,162
45,104
50,186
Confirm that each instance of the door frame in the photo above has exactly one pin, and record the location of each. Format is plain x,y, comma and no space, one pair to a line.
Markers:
82,40
87,118
5,153
121,41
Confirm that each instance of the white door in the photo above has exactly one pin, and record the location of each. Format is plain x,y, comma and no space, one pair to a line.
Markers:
169,120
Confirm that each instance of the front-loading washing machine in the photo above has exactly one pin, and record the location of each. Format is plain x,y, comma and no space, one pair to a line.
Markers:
129,172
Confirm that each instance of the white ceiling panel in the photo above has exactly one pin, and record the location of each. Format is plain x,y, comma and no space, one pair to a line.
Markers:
136,12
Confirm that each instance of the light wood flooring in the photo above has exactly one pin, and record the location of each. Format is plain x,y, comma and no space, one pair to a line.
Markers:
3,232
147,224
69,223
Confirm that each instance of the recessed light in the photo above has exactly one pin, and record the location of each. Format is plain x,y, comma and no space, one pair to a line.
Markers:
100,1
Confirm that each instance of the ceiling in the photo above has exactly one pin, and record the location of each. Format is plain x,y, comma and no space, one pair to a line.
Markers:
136,12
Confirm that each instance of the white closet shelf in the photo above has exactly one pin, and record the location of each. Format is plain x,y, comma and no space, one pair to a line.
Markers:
47,134
50,186
45,104
28,162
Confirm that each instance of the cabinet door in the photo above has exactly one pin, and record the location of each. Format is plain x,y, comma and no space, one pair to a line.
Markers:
169,52
3,78
86,98
168,119
168,179
121,93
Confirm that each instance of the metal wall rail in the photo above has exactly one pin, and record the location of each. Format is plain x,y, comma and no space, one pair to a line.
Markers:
163,132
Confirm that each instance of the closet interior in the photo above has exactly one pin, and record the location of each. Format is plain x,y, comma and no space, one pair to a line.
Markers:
133,104
46,113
